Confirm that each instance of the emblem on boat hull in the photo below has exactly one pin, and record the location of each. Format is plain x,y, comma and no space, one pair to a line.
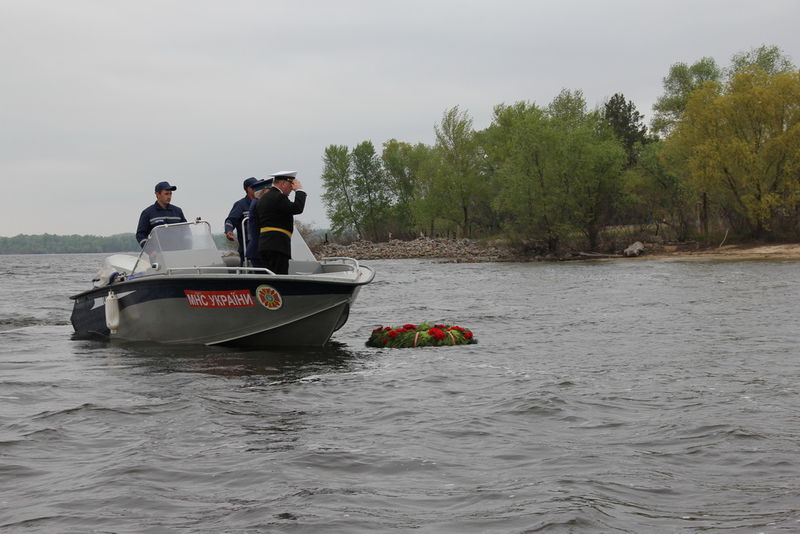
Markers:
269,297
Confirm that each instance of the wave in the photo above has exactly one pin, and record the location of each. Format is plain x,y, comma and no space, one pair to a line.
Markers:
8,323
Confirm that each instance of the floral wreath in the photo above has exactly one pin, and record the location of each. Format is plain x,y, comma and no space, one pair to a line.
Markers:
421,335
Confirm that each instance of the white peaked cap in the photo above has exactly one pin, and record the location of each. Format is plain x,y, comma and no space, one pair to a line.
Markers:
285,174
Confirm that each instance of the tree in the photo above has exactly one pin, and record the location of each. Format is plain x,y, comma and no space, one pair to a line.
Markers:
590,164
524,147
626,123
339,194
372,196
559,170
56,244
463,190
660,196
402,163
740,143
429,206
770,59
678,85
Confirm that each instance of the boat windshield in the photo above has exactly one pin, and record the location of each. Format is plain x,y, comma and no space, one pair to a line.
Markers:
181,245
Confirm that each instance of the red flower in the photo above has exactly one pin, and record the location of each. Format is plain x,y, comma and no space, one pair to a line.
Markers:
377,329
393,334
410,326
440,326
387,328
454,327
437,333
468,335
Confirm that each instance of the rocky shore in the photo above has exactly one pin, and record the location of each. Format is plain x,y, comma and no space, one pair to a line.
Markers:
449,249
467,250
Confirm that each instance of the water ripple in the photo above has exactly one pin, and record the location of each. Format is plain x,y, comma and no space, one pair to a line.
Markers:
608,397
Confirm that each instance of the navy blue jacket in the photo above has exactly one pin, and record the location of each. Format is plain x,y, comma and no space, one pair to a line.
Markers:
275,210
240,210
251,252
155,215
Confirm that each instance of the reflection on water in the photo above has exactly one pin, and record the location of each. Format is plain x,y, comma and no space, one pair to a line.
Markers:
288,363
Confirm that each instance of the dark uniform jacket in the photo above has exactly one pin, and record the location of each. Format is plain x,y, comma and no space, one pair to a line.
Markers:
251,252
235,221
155,215
240,210
275,213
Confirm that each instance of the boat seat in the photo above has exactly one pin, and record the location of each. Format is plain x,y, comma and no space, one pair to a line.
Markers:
304,267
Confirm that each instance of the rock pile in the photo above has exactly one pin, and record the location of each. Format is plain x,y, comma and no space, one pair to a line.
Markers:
423,247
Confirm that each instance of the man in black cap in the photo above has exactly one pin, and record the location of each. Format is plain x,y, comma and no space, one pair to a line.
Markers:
275,213
162,212
252,257
239,212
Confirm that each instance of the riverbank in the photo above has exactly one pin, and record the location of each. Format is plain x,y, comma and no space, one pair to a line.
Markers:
743,251
467,250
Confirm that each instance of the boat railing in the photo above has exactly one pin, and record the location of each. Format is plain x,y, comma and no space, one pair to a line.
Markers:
348,264
341,264
352,262
218,270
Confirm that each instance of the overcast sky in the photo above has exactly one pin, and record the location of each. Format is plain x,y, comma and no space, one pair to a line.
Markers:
101,99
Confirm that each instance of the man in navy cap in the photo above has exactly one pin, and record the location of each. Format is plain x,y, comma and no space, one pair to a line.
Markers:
275,213
251,250
240,211
162,212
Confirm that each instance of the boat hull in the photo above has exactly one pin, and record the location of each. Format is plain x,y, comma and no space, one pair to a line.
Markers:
245,310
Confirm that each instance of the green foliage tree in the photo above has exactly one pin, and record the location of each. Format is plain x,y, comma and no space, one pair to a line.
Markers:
547,175
402,164
339,193
740,143
57,244
372,194
678,85
626,123
430,203
523,146
590,162
560,170
770,59
357,194
659,196
459,185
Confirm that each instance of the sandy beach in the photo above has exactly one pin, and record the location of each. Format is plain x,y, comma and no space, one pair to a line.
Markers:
786,251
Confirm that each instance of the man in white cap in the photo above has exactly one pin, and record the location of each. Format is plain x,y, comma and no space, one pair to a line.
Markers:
162,212
275,213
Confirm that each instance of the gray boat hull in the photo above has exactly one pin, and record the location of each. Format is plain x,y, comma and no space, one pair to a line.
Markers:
221,310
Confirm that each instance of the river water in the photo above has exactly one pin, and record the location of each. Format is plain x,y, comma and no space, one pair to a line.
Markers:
623,396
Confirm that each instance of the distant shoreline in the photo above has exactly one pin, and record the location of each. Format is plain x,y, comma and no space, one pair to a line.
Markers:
469,251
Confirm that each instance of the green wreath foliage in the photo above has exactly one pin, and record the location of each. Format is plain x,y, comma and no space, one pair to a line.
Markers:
420,335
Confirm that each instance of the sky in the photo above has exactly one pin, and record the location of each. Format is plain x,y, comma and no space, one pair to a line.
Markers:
102,99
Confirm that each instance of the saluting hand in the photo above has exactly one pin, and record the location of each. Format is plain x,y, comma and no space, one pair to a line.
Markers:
296,184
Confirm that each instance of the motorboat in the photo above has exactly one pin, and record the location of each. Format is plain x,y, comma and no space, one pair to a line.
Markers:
181,289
